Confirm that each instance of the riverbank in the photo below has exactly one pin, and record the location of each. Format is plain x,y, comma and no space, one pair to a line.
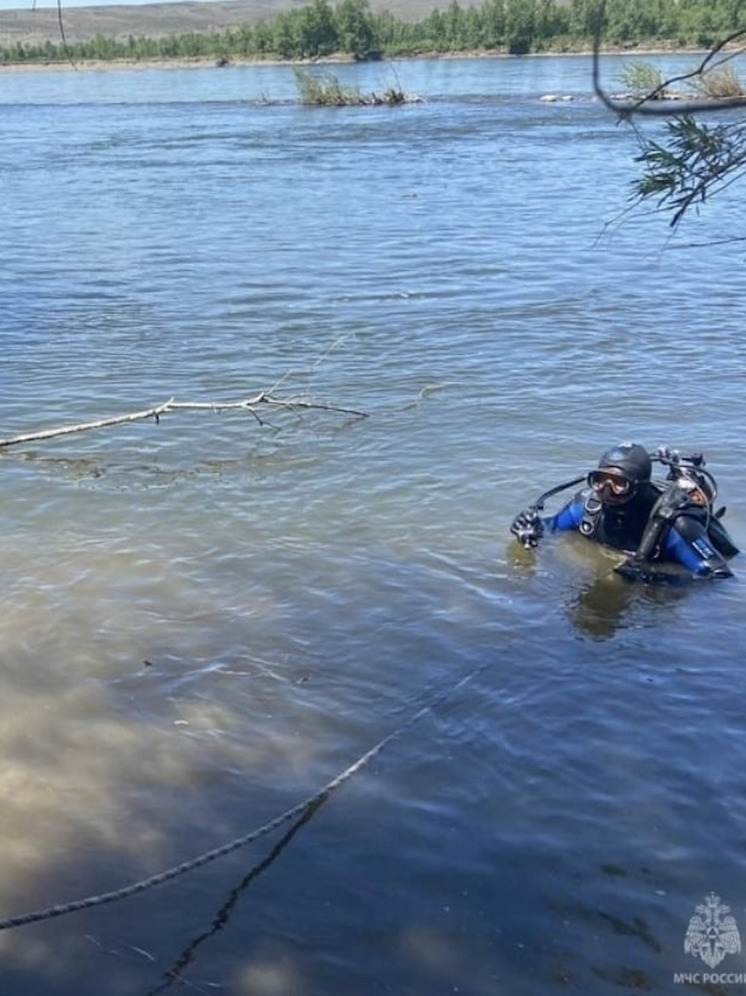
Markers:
211,62
225,32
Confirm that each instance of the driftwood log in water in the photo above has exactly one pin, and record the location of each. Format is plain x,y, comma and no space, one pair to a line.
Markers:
250,405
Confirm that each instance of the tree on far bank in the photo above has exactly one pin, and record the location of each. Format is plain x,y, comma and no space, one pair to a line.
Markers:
355,28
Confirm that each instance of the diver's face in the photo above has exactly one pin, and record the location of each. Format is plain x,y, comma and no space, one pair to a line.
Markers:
611,486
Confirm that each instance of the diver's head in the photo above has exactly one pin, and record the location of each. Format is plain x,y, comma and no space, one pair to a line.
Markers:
621,470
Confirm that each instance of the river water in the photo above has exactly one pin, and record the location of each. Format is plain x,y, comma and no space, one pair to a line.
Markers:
207,619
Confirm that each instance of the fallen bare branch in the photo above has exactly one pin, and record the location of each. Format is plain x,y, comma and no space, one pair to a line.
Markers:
247,405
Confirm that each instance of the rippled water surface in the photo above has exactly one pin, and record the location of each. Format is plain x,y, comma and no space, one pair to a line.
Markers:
207,619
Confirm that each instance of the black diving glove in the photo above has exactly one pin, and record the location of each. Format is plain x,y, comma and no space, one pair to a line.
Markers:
632,569
528,528
635,569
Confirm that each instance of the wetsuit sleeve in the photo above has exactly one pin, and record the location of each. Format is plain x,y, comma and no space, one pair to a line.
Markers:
687,543
568,517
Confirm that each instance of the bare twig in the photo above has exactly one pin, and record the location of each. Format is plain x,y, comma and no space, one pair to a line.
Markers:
247,405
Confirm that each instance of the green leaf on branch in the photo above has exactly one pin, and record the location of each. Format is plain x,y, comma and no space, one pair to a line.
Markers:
695,159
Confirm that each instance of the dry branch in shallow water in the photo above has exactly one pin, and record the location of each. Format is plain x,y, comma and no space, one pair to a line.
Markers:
172,405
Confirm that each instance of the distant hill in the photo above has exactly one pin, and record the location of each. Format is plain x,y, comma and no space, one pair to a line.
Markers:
158,19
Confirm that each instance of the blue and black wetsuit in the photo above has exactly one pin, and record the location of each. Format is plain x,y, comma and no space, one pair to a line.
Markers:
684,541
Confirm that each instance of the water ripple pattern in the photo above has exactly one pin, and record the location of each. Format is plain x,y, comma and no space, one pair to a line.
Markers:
205,619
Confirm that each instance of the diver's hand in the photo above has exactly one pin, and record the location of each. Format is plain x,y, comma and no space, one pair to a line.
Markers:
528,528
632,569
636,569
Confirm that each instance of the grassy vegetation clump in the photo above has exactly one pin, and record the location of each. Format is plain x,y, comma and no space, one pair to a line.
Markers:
642,79
719,83
646,82
327,90
324,89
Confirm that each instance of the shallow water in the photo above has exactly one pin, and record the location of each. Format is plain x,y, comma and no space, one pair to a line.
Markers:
208,618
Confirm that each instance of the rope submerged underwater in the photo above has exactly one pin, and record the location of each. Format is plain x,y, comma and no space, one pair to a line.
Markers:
101,899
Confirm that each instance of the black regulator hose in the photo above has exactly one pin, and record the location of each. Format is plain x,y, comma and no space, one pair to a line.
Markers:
538,505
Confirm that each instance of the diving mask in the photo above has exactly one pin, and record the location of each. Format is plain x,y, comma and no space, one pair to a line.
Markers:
610,482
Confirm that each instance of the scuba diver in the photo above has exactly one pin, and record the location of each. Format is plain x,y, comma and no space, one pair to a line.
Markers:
668,522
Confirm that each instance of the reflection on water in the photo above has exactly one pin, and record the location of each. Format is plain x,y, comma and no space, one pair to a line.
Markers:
597,601
205,620
601,606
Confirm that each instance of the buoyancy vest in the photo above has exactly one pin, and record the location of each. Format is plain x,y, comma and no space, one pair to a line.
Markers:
641,524
621,527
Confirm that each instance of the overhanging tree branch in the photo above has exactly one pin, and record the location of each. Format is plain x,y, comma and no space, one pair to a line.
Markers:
696,159
649,104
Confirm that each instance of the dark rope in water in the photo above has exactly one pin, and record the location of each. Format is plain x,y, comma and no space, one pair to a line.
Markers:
62,909
175,974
